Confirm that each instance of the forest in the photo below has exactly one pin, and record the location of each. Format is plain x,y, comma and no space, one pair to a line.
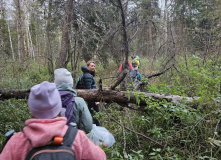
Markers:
173,113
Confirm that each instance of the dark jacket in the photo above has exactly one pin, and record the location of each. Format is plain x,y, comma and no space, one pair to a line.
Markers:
88,78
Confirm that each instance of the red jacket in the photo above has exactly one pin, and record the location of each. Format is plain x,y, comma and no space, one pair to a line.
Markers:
38,132
120,68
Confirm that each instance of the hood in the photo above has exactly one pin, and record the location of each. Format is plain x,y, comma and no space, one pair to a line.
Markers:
85,70
66,87
41,131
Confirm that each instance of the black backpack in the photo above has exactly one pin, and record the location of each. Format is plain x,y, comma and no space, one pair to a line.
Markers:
56,152
80,83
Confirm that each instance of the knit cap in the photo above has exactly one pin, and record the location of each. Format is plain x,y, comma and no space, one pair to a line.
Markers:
62,75
44,101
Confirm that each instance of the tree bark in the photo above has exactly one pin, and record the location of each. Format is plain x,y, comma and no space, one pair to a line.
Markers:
124,35
31,47
26,27
20,41
149,28
10,39
48,43
64,55
165,27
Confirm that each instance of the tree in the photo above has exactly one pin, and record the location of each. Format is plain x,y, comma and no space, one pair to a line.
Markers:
48,42
4,32
65,54
124,34
19,30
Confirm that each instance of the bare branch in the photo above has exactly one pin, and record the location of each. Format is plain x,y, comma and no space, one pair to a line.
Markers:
160,73
140,134
120,79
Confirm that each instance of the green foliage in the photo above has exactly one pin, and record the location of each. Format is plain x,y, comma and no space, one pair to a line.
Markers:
196,77
4,37
13,114
182,129
15,77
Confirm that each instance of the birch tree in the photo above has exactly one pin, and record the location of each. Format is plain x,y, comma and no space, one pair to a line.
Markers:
26,24
12,50
19,30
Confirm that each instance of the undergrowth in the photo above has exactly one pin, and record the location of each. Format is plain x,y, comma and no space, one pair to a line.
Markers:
161,130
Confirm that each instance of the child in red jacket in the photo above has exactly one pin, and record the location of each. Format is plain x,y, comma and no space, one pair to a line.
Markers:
123,65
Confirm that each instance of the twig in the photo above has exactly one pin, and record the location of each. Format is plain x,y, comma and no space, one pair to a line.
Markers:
158,74
216,128
133,35
125,142
199,122
111,118
114,3
135,134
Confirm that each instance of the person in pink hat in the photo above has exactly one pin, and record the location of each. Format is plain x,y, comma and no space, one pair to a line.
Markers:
45,106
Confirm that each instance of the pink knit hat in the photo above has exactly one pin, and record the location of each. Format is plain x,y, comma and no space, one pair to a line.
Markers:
44,101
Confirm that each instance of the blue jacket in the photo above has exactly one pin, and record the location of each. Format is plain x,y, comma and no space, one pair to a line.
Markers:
139,76
81,112
88,78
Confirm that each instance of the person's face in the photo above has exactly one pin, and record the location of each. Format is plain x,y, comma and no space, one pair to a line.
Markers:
91,67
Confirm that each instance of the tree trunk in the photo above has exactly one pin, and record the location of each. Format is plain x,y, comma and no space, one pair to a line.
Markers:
106,95
124,35
149,29
37,47
48,43
31,46
165,27
64,56
26,27
25,47
20,41
10,39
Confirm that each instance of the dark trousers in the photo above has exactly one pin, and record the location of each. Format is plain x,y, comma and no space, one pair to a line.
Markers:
93,108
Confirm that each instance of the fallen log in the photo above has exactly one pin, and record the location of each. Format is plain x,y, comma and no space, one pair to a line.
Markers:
14,93
105,95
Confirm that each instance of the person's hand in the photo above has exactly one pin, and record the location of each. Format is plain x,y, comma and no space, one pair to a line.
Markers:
104,145
97,103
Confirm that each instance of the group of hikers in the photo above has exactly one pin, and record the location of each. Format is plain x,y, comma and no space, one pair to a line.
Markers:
60,119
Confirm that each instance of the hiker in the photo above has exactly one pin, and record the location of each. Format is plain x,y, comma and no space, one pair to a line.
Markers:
136,59
124,83
122,66
134,73
87,81
45,105
76,108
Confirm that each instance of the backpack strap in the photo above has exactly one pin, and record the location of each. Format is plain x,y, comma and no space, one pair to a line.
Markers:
70,135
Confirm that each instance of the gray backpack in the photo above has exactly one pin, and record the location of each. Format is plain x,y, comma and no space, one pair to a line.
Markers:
133,74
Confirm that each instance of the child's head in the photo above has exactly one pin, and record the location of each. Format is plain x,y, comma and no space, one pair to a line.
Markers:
44,101
62,75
